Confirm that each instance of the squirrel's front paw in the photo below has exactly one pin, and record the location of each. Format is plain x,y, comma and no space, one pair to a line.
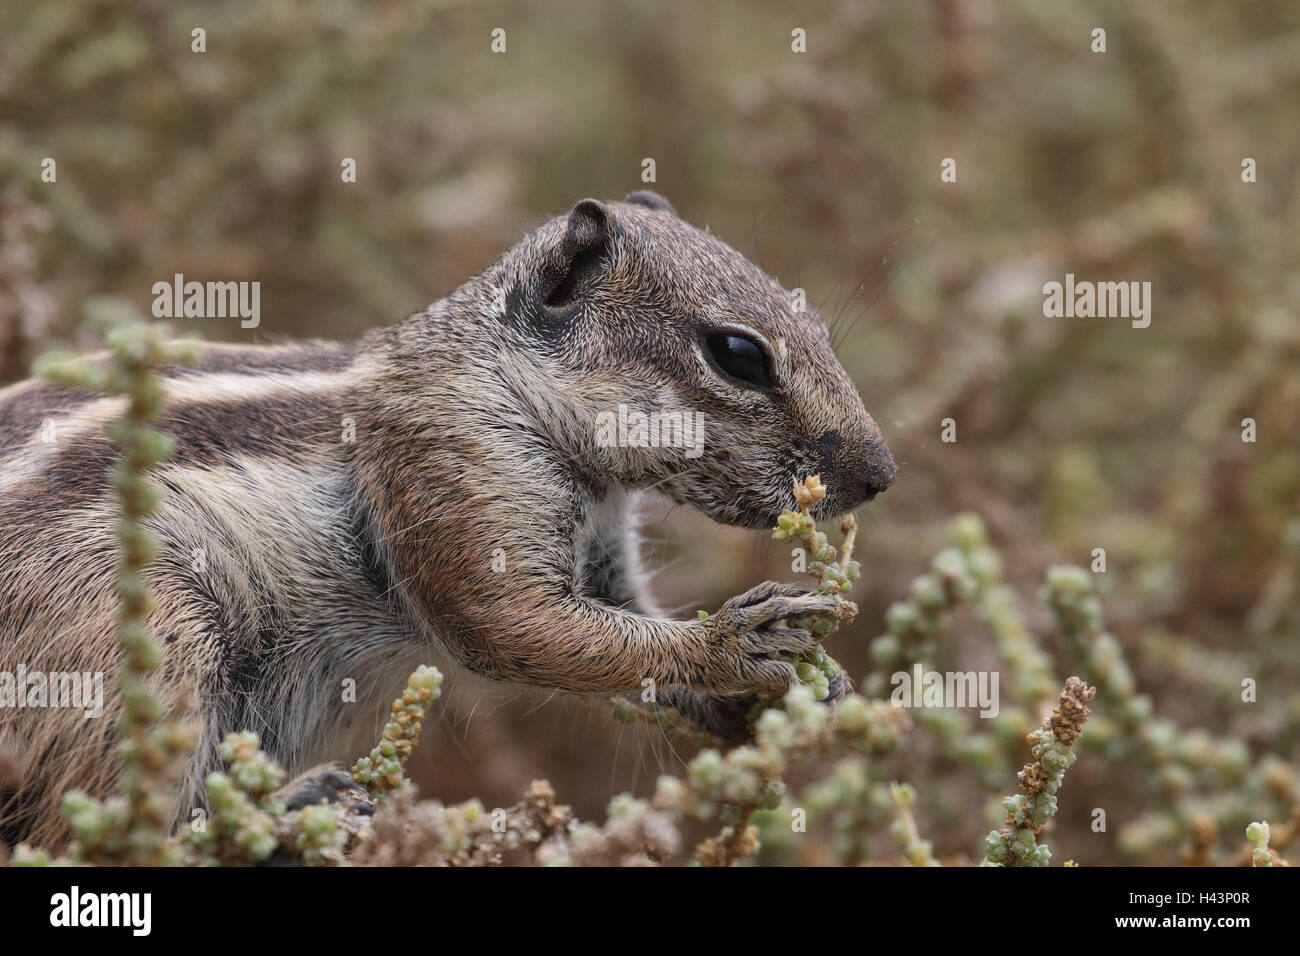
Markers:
837,687
748,634
323,784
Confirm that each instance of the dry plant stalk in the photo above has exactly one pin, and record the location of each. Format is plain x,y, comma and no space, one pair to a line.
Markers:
834,570
154,744
383,770
917,851
1016,844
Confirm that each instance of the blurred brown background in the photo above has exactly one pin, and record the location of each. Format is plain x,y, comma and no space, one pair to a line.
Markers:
824,167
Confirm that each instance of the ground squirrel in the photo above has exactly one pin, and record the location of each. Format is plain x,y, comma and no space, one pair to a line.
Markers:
297,554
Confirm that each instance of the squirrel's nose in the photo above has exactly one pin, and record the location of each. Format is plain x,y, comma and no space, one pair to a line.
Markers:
879,472
862,466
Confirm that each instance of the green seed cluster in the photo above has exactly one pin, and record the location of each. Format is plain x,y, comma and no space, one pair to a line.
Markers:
732,787
1258,835
1174,760
917,851
816,669
634,834
913,625
1174,756
407,832
236,831
970,572
250,769
1216,673
154,745
734,841
320,840
746,777
241,826
1028,811
382,771
99,828
835,571
849,803
462,820
25,855
833,576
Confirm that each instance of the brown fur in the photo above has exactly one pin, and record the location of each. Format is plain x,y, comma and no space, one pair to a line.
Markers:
325,560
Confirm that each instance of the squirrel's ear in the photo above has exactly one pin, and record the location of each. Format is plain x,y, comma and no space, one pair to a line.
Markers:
645,197
581,253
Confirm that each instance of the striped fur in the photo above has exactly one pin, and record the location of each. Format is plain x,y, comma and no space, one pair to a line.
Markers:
325,560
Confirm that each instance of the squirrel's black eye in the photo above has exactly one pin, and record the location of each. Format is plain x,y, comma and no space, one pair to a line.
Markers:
740,357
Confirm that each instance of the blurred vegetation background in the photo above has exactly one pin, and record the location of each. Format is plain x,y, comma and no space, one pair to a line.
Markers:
823,166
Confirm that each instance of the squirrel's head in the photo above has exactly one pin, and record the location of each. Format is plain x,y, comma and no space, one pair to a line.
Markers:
676,363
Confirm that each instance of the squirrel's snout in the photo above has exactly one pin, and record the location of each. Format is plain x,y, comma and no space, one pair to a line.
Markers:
879,473
857,469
